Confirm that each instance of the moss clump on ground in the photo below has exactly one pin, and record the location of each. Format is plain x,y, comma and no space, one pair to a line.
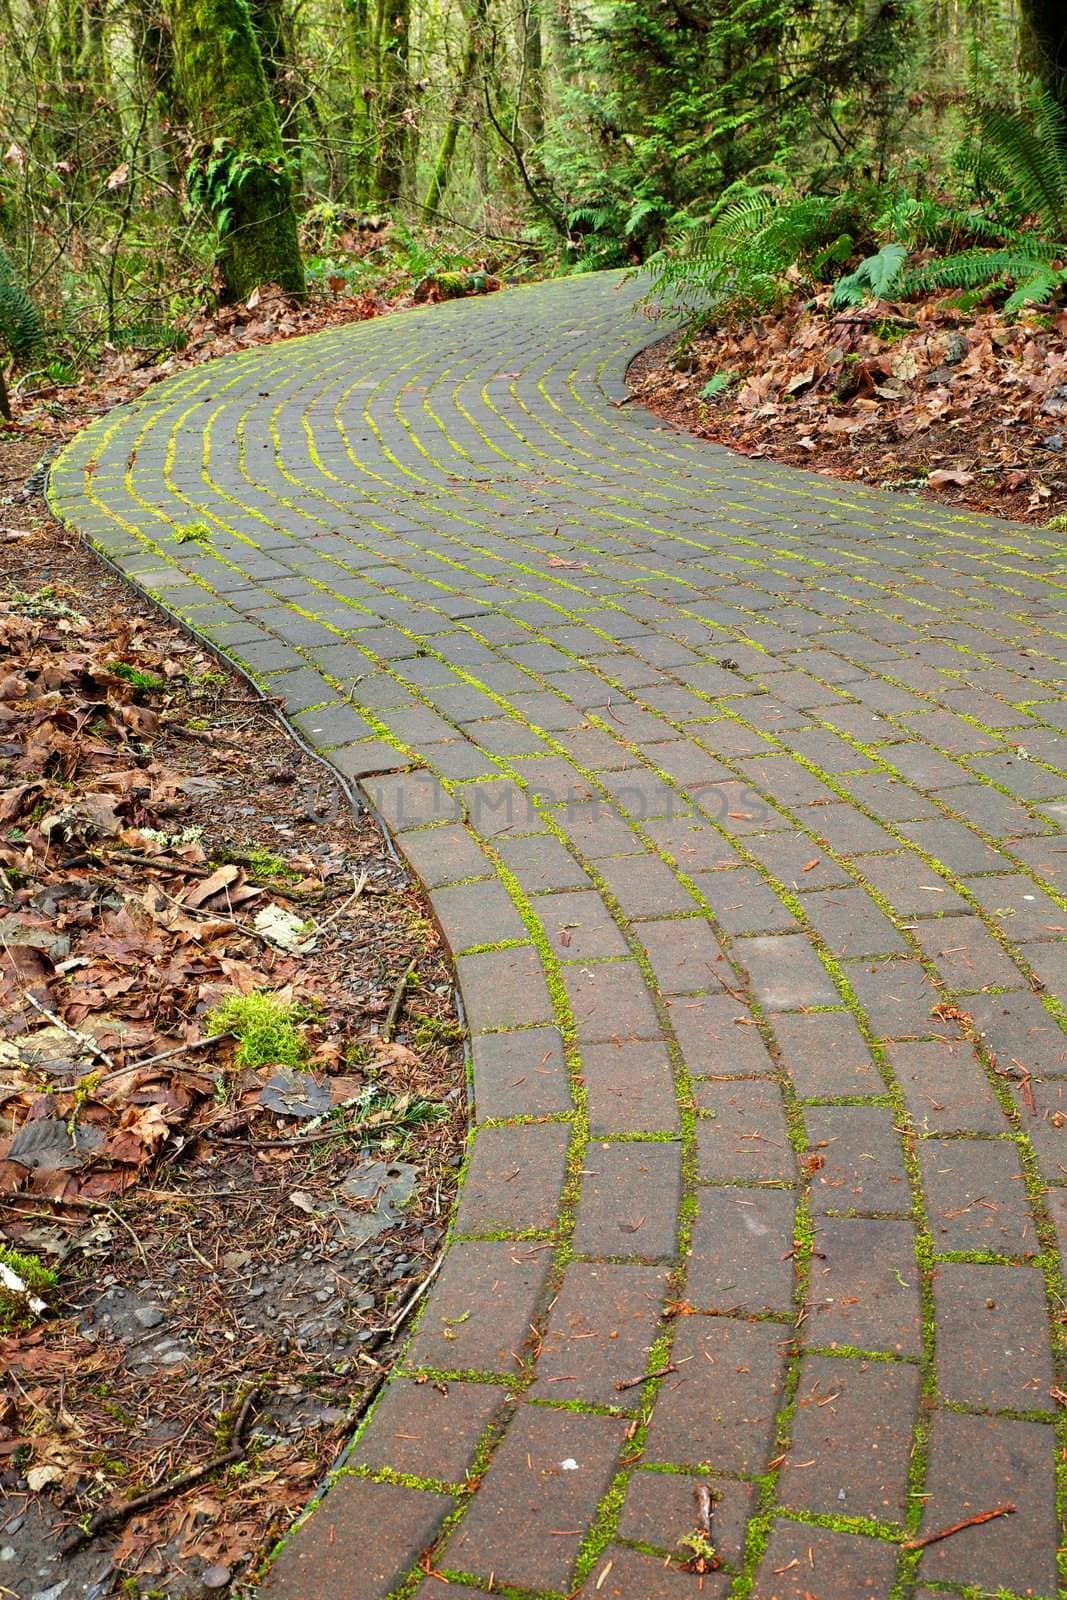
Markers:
265,1029
135,676
16,1304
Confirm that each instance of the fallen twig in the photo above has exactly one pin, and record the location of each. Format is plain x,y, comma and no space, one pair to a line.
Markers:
359,884
111,1515
396,1002
315,1136
159,863
733,993
413,1299
148,1061
635,1383
72,1033
215,916
1005,1510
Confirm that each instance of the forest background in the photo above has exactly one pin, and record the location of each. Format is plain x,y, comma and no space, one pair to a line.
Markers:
158,154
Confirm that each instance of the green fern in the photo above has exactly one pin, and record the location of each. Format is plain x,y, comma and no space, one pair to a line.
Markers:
922,222
878,275
1023,156
740,261
1029,265
21,328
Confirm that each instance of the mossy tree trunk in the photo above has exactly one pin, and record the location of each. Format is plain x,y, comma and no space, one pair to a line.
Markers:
362,61
532,93
443,166
225,89
160,85
394,111
271,24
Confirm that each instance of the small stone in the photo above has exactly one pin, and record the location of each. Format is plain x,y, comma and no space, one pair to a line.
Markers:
1053,441
149,1316
215,1577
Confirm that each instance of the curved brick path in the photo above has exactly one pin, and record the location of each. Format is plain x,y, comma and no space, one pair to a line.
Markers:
735,790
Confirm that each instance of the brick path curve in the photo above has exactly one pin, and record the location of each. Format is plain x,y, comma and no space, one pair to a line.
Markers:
736,793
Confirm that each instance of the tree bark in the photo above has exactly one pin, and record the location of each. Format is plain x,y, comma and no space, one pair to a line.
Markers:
225,89
362,66
443,167
269,21
532,113
394,129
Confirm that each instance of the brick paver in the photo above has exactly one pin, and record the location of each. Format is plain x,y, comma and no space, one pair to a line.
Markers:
739,795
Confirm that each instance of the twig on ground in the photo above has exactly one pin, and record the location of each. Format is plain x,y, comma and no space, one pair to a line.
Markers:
360,884
635,1383
1005,1510
83,1039
413,1299
215,916
733,993
160,863
389,1025
148,1061
113,1515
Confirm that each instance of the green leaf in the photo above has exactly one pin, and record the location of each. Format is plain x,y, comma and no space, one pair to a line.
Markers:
877,276
717,385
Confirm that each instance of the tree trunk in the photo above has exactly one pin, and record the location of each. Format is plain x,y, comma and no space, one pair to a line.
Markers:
532,108
269,22
443,167
1044,44
394,128
362,70
160,85
250,193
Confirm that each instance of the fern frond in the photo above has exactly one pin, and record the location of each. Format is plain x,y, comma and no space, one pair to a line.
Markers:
1036,290
1030,158
739,259
919,223
1030,269
21,328
875,277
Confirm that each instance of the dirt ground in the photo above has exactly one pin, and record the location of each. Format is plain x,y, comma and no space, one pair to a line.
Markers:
235,1246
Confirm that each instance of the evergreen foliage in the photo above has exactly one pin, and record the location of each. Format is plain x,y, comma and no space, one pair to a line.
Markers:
762,243
21,328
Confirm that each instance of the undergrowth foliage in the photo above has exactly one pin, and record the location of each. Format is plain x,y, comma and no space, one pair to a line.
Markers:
1008,237
21,328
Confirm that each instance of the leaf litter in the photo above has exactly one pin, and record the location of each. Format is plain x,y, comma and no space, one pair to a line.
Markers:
968,408
234,1240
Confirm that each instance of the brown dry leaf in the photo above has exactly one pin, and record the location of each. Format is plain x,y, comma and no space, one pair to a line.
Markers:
220,879
141,1130
801,381
955,477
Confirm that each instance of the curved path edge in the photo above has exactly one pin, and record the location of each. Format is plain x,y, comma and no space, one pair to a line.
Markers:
738,794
